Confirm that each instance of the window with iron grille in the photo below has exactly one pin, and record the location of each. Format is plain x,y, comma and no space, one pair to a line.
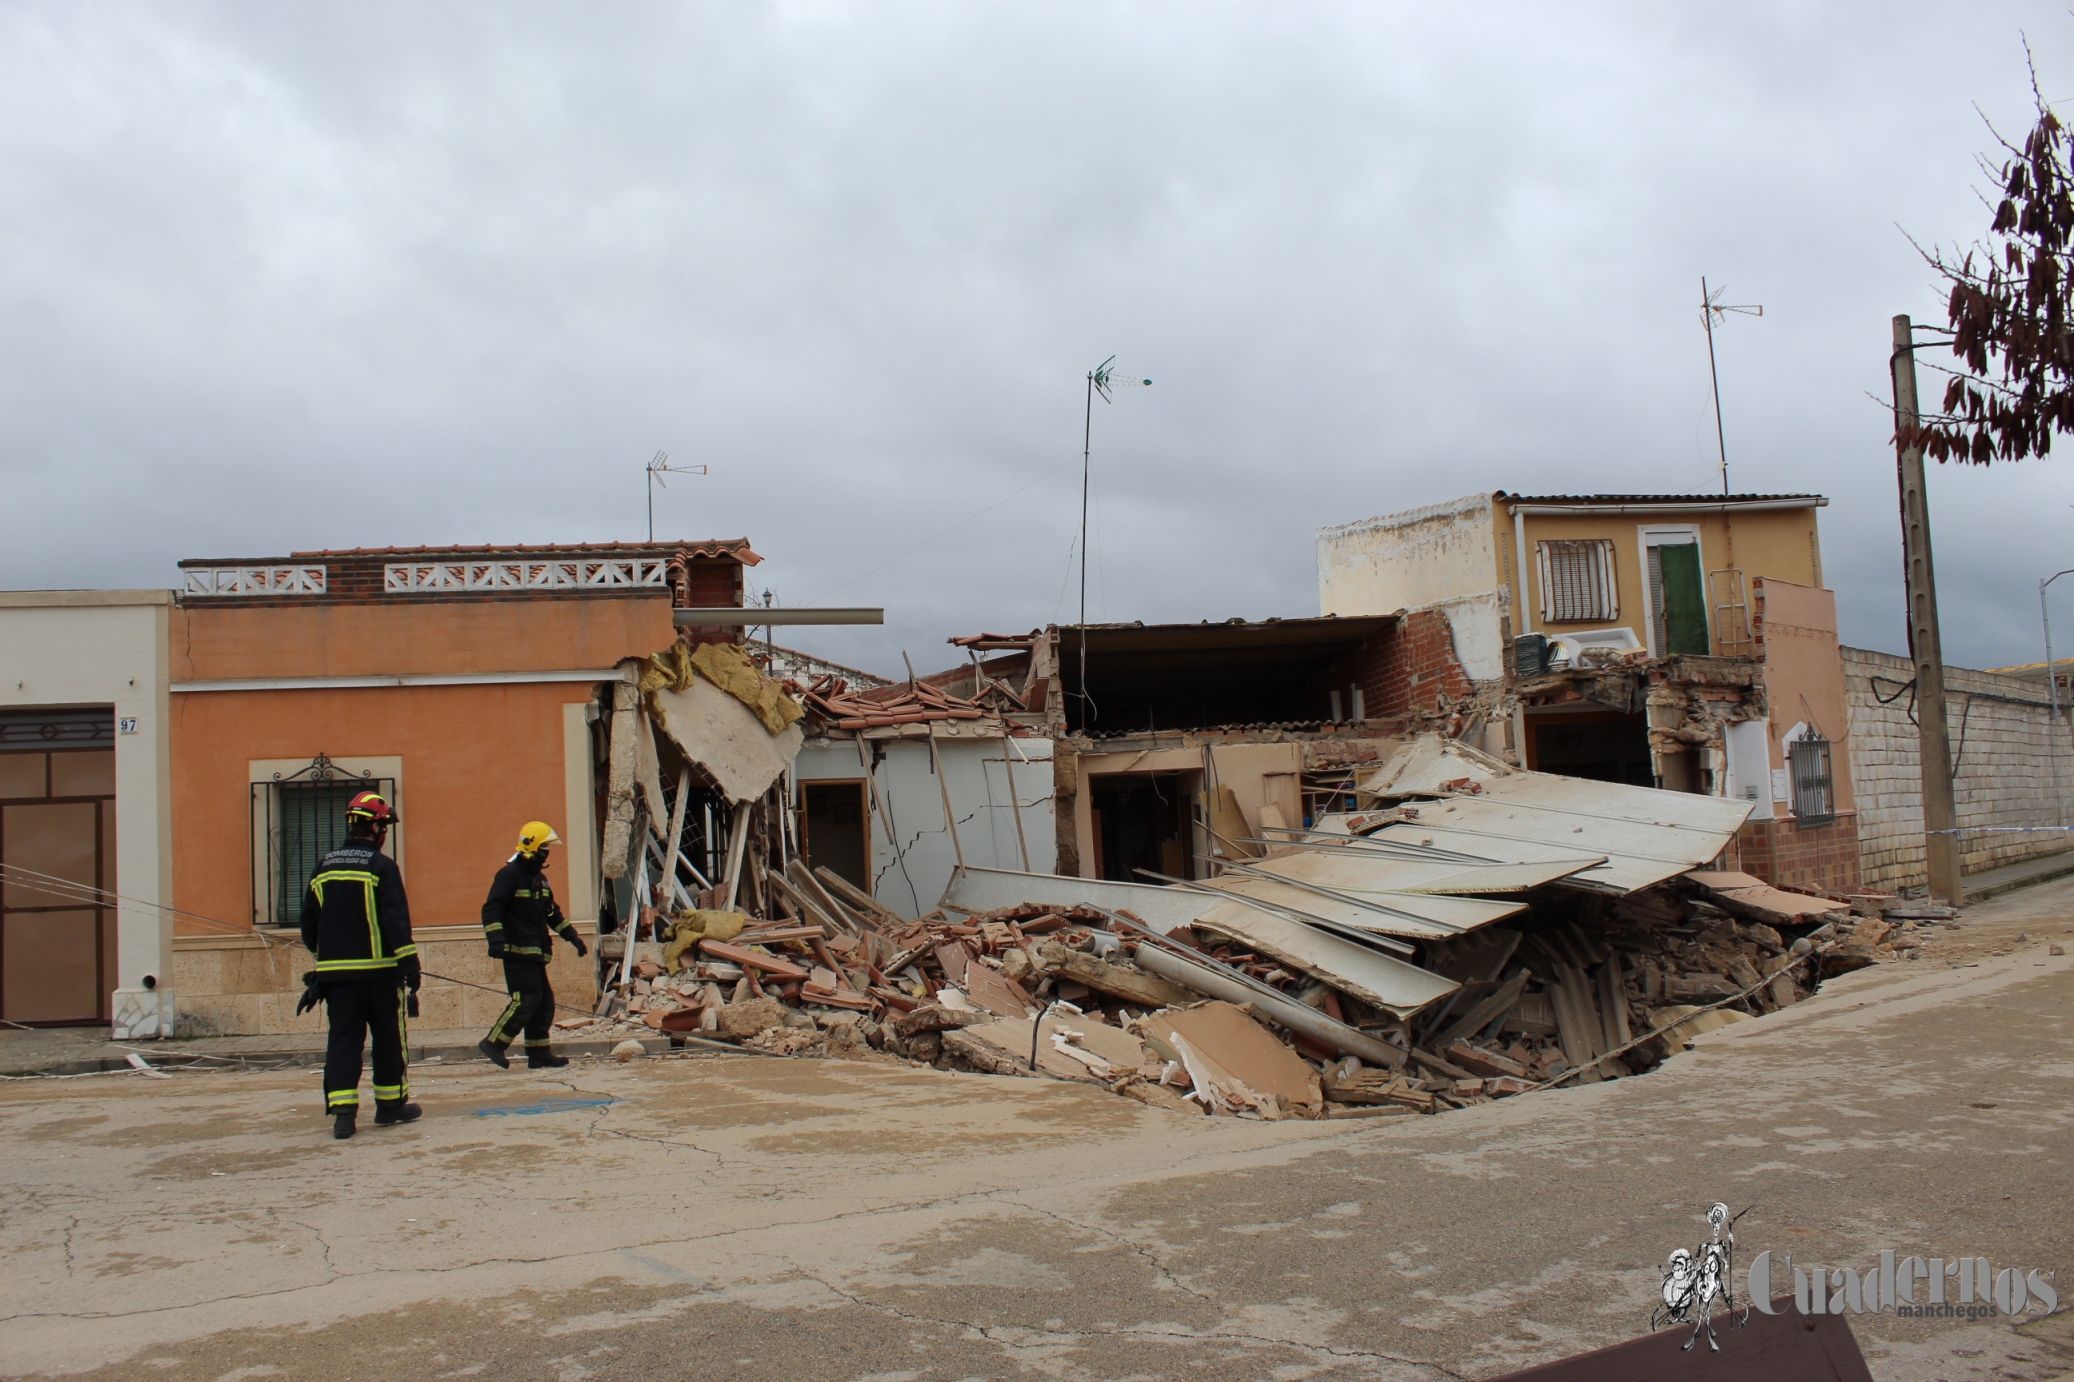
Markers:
296,821
1577,581
1813,798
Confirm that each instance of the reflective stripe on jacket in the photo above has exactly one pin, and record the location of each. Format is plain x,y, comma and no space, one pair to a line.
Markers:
521,912
355,917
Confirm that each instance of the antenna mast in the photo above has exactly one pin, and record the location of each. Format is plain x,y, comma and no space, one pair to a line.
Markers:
1708,311
657,468
1100,380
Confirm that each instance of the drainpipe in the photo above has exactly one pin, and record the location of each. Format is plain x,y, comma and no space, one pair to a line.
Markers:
1519,571
1520,619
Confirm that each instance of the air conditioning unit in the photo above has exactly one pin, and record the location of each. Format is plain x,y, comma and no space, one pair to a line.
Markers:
1530,654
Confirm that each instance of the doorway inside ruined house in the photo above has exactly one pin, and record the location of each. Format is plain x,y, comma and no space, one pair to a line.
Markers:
835,829
57,840
1144,821
1604,747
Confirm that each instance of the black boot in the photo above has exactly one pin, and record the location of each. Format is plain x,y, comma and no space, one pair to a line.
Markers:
342,1125
398,1112
544,1058
493,1053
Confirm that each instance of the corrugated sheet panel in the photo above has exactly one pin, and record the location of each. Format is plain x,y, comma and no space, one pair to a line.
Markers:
1350,967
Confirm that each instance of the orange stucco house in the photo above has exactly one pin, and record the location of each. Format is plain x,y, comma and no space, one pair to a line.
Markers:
464,682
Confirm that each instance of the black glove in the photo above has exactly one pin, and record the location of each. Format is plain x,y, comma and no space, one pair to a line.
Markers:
312,995
581,948
496,949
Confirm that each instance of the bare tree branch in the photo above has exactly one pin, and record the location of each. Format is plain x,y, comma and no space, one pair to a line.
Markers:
2008,306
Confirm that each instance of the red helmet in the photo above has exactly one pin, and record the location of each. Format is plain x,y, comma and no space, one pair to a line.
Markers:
373,808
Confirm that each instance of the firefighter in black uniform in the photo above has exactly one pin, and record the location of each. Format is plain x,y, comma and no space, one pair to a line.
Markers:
519,920
356,922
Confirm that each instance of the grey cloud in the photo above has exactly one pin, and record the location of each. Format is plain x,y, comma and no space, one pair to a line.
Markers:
282,277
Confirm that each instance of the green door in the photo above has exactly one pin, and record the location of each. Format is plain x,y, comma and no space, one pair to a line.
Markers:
1681,600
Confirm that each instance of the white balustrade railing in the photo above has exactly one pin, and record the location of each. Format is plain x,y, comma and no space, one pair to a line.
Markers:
255,580
406,577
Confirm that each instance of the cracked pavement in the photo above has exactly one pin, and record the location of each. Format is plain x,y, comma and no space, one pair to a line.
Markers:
789,1219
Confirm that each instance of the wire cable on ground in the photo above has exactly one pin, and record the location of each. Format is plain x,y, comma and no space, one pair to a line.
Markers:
1814,952
71,891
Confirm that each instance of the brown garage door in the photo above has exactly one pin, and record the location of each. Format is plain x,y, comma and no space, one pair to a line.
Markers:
57,840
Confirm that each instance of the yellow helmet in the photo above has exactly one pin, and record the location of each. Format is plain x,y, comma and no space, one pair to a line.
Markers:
534,835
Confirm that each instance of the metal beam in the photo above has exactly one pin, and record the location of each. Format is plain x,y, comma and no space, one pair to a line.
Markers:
730,616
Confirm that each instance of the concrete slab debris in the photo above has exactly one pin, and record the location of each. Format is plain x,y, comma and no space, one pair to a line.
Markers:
724,738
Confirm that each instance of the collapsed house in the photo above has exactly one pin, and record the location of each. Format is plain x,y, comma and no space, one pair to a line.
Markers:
1463,930
1677,641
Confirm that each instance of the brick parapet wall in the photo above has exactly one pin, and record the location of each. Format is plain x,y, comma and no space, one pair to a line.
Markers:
359,578
2014,768
1823,857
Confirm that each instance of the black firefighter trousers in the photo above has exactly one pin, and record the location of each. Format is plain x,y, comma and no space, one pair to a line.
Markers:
532,1006
359,1009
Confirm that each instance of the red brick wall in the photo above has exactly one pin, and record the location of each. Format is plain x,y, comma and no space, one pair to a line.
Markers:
710,583
1822,857
1409,666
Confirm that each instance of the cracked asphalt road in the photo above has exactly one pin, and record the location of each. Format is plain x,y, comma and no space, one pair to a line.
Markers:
794,1219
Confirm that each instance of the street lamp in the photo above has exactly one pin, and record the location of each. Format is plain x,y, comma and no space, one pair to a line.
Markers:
2052,686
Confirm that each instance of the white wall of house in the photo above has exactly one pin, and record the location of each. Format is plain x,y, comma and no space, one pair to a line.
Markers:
108,647
912,855
1440,557
1409,560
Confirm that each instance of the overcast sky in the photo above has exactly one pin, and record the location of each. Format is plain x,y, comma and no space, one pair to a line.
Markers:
280,277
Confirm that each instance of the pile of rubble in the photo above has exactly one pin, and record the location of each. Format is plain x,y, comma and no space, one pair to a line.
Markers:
1581,986
835,705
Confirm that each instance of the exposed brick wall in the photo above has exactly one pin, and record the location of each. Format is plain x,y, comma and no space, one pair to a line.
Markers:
2015,767
1822,857
713,581
1410,666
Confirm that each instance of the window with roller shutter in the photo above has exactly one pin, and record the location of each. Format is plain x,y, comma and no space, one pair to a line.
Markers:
1577,585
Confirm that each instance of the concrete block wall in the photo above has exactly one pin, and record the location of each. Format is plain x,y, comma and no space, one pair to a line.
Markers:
2015,768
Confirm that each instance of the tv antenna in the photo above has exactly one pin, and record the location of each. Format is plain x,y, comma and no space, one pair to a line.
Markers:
1100,380
1711,307
657,468
1104,381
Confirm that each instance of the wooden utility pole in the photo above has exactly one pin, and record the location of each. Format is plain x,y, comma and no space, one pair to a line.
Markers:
1940,809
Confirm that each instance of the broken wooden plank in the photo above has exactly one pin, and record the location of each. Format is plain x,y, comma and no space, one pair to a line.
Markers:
770,935
1486,1011
1480,1062
807,907
1133,986
782,970
808,886
862,902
